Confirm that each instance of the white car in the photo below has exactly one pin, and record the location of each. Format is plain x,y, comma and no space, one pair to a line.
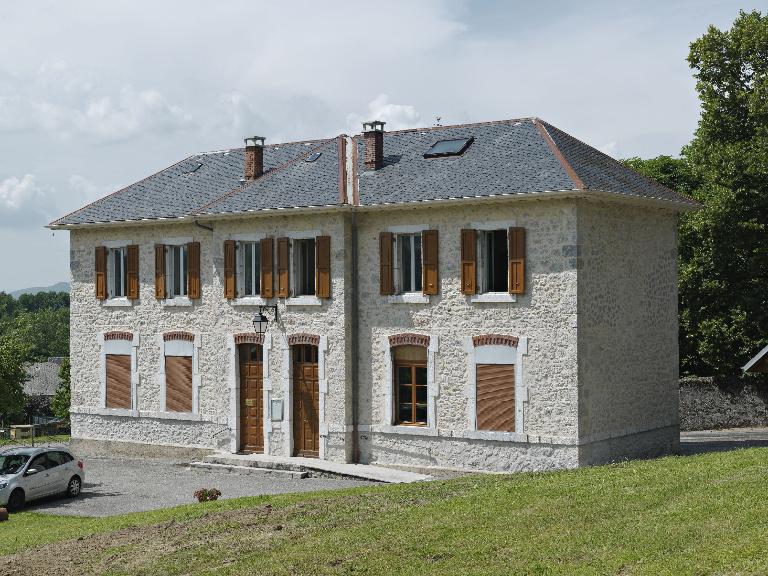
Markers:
30,473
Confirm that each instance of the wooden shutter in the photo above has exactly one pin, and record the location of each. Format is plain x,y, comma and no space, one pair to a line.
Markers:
517,260
193,270
468,261
495,397
230,274
431,283
118,381
101,272
178,383
132,271
323,263
267,268
159,271
386,281
283,279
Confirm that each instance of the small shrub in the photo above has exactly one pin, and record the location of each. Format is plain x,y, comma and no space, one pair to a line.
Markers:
207,494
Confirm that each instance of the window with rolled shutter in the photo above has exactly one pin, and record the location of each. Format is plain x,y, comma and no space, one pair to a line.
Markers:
468,261
178,383
101,272
495,397
386,283
517,260
323,263
229,269
431,284
283,278
118,368
193,270
132,271
267,267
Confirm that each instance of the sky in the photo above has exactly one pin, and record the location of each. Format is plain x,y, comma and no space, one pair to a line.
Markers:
96,95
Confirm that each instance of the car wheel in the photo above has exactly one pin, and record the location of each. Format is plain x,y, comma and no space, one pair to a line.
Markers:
16,500
74,486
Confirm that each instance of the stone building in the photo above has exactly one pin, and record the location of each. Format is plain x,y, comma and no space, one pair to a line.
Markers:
495,296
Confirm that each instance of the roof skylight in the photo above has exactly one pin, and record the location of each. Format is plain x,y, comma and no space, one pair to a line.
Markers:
313,157
454,147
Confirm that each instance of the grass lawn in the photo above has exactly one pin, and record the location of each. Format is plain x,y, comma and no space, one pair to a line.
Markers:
703,514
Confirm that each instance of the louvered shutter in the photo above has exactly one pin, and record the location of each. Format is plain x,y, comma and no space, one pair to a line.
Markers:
468,261
193,270
386,282
178,383
517,260
431,284
283,279
230,276
323,263
132,271
495,396
101,272
267,267
159,271
118,368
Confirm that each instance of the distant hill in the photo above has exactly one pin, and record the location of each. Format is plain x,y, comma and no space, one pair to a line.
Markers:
58,287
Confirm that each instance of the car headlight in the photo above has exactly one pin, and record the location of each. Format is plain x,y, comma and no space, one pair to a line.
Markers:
3,485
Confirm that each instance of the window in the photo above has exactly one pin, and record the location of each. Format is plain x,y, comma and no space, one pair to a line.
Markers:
304,267
495,397
313,157
116,272
493,261
410,381
118,367
178,383
453,147
176,270
40,463
249,264
407,262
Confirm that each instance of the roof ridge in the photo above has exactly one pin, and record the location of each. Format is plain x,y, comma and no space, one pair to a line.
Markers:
53,223
265,175
469,124
225,150
612,159
541,126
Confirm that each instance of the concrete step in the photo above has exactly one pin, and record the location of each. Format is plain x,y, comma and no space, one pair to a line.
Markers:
298,474
315,466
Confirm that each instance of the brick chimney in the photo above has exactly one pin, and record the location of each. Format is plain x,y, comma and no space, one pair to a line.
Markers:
373,137
254,157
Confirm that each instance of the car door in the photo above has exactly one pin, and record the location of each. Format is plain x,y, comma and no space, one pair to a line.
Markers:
58,471
38,484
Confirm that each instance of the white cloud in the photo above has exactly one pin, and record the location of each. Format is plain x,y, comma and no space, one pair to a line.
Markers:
22,202
397,116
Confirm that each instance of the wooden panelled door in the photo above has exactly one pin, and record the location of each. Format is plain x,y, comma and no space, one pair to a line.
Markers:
251,398
306,402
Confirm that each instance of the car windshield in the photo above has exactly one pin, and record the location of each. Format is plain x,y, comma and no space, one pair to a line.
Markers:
12,463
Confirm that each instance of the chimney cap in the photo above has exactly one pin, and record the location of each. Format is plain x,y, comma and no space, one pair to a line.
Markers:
255,141
373,126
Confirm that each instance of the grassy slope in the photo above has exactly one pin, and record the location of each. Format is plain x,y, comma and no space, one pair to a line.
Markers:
695,515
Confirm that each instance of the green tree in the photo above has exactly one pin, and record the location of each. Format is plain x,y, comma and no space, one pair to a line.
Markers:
60,402
724,248
46,331
13,353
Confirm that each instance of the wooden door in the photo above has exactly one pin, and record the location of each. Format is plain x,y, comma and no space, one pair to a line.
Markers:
306,402
251,398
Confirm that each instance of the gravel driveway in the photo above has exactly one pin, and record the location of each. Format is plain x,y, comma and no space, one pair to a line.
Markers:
120,486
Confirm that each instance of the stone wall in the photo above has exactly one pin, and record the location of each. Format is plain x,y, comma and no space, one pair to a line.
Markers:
708,403
627,334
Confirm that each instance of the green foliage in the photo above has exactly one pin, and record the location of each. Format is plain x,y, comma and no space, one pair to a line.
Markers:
46,331
13,353
60,402
723,248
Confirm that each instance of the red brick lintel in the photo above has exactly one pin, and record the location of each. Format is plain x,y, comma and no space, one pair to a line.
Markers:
409,339
495,340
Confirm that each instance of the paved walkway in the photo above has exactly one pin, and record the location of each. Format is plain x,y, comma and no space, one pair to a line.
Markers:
701,441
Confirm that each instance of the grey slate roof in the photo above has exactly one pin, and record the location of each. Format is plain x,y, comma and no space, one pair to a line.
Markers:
43,377
520,156
509,157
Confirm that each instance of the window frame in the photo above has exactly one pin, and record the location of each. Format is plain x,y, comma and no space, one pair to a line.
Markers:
293,298
240,263
412,365
119,347
168,299
416,273
299,257
186,348
170,272
485,296
483,260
